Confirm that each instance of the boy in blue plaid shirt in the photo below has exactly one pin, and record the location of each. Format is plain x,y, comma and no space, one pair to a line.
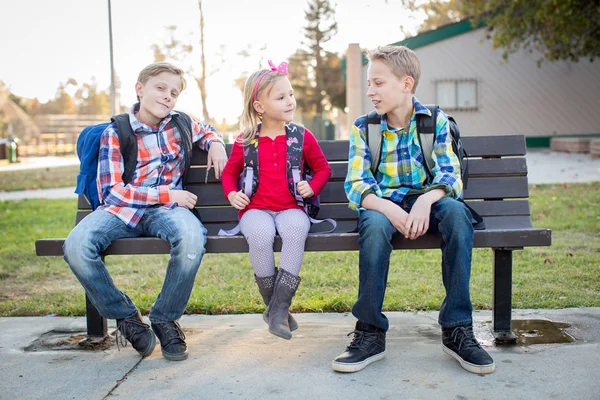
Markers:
401,199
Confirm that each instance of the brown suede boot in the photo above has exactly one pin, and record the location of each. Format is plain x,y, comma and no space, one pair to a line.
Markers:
265,288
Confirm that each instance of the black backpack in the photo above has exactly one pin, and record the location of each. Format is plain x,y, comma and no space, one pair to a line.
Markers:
88,146
426,130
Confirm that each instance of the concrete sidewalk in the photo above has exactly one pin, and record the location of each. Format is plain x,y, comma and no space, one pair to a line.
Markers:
235,357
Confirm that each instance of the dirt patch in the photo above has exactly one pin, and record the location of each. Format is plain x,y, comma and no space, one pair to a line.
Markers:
68,340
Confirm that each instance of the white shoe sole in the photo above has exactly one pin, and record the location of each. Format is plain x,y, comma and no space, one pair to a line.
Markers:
474,368
353,367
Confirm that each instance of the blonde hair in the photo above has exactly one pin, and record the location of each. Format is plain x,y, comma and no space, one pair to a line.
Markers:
400,59
250,117
158,68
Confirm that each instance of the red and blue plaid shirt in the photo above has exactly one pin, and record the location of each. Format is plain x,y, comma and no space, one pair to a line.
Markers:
159,169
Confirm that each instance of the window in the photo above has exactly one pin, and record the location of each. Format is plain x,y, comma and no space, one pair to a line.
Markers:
457,94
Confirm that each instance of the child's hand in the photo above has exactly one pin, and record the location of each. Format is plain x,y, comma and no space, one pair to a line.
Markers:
183,198
238,200
417,223
305,190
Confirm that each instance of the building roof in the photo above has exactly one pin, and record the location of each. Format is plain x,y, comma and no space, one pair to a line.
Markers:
427,38
441,33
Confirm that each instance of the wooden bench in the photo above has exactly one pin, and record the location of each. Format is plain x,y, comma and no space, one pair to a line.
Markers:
497,189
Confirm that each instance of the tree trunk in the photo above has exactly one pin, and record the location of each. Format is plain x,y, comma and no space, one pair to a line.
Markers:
202,80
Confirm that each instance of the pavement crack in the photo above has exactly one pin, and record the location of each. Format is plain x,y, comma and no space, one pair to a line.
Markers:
119,381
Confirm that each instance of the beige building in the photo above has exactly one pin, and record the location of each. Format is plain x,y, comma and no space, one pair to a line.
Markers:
488,95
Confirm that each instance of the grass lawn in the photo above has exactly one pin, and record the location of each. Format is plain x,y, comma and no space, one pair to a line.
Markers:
567,274
38,178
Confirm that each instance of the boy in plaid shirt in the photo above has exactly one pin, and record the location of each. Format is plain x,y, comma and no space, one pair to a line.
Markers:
401,199
152,204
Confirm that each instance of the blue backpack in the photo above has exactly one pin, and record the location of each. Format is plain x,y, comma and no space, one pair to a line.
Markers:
88,148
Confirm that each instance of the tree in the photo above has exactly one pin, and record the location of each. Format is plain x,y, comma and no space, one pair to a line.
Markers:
559,29
91,101
439,12
299,72
178,51
201,80
62,103
321,26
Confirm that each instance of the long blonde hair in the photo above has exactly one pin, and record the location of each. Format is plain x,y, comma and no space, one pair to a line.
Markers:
250,117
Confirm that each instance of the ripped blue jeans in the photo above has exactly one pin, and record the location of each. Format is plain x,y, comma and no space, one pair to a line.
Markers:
178,226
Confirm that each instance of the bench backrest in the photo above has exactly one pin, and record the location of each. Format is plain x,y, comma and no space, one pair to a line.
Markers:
497,172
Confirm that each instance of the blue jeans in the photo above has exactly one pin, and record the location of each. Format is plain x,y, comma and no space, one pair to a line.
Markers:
451,221
178,226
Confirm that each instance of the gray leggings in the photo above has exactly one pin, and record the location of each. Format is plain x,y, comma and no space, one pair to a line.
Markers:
259,228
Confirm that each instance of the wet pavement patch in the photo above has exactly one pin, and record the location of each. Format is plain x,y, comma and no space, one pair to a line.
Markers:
540,331
68,340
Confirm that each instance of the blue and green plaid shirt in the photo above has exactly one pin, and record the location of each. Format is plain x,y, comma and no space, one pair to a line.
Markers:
401,170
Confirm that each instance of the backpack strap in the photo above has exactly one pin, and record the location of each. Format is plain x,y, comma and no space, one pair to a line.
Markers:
183,123
248,181
249,178
294,135
128,145
426,131
374,139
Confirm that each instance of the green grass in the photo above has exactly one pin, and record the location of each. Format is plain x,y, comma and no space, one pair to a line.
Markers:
567,274
38,178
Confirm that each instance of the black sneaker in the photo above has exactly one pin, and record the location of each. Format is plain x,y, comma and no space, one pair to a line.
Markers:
367,346
137,333
460,343
172,340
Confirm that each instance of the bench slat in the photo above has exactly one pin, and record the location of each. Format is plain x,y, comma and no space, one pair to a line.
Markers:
495,238
495,146
515,166
476,146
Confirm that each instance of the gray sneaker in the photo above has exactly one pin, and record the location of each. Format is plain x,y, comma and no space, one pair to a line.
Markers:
172,340
137,333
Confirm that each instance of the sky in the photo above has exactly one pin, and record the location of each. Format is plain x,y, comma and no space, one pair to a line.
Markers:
46,42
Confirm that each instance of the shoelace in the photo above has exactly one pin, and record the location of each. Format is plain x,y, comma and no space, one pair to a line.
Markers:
464,336
173,332
128,326
361,340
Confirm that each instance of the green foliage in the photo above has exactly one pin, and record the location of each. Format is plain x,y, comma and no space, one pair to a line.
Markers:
318,75
559,29
92,101
87,100
62,103
563,275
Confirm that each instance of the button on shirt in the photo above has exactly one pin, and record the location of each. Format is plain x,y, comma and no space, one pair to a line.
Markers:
401,170
160,166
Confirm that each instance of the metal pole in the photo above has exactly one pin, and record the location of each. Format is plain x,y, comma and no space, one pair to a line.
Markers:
113,105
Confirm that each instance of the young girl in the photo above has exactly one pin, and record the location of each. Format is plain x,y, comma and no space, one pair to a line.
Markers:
269,106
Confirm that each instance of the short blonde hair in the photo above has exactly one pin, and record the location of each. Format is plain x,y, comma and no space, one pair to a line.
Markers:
400,59
158,68
250,117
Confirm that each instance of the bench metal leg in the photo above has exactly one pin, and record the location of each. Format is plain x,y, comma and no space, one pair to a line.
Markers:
96,323
503,297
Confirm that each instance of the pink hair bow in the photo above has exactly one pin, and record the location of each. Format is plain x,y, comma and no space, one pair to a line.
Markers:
281,68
